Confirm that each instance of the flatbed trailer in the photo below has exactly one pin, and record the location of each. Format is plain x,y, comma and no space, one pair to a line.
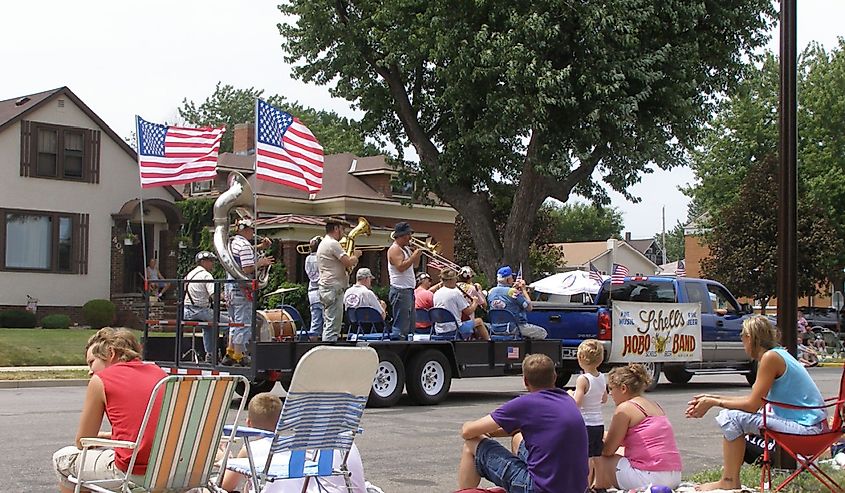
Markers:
424,368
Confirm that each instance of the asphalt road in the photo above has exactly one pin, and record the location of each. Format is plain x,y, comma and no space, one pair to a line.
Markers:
405,448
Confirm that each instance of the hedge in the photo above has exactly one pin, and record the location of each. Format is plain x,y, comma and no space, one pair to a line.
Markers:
55,321
98,313
17,319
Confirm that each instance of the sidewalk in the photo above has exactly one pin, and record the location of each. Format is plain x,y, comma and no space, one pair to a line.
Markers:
47,382
41,368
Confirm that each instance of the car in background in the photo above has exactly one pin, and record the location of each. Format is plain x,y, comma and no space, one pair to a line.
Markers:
820,316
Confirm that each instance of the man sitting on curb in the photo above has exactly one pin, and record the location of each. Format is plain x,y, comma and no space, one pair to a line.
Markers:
549,445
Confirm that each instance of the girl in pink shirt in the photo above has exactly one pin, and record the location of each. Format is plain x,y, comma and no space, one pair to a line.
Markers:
639,425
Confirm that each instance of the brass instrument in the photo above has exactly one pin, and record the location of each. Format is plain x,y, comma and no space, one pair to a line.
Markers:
237,197
304,249
348,241
431,250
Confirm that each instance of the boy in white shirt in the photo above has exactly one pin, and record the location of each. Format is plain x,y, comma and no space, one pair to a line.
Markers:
589,394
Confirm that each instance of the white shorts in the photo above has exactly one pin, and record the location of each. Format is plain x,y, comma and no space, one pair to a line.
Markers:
99,464
630,478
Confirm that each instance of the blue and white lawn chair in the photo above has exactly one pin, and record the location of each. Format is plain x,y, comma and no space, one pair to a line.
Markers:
444,316
321,415
503,326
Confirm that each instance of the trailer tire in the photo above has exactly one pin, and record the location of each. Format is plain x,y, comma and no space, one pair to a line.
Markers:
430,377
677,375
388,382
255,388
562,379
653,370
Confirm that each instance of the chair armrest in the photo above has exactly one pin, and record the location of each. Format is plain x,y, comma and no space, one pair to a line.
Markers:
247,432
105,442
792,406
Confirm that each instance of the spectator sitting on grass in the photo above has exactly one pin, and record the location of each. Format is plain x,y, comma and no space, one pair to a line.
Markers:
263,413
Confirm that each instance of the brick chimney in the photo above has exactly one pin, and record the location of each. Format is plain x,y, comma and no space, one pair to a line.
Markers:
244,141
627,233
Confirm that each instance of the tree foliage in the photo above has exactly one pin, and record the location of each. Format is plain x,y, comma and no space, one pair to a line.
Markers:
229,106
743,240
548,97
674,247
583,222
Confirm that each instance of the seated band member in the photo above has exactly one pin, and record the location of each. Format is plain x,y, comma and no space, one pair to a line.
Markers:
424,296
473,289
454,300
197,296
361,293
513,296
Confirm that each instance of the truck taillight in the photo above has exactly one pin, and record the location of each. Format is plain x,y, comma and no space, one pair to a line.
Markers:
604,331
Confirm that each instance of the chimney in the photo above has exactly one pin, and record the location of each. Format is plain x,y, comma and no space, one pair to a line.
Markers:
627,233
244,141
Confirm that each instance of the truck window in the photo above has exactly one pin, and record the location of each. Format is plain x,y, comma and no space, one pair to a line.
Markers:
697,293
642,291
721,299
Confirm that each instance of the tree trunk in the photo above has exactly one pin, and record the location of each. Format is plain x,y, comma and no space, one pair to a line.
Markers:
528,198
475,210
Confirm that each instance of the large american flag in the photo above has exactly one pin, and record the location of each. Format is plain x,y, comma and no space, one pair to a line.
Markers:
681,269
595,274
286,152
619,274
169,155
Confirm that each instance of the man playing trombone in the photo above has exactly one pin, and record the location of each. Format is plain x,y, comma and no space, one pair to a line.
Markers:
400,266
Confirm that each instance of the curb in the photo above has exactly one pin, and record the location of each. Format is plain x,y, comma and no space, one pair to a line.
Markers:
25,384
831,365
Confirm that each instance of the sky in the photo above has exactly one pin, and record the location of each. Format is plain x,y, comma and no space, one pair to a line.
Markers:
144,58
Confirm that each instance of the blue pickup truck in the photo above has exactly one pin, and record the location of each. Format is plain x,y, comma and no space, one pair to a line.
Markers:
721,322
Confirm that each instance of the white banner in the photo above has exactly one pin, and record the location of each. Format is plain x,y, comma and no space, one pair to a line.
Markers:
655,332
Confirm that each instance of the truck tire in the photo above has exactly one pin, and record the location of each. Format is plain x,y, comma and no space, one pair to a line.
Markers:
562,379
429,378
653,369
388,382
751,376
677,375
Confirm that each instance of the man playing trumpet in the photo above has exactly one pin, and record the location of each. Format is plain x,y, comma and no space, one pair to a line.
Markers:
458,304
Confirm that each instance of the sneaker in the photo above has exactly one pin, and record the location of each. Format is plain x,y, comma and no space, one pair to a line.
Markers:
208,358
245,361
228,361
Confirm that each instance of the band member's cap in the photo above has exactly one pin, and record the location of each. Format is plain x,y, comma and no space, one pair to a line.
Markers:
422,276
466,272
504,272
448,274
314,242
402,229
364,273
246,223
203,255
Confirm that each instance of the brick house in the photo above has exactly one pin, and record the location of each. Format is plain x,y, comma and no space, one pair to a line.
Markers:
70,192
352,187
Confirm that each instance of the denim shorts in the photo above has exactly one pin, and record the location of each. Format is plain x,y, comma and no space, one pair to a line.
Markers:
496,463
736,423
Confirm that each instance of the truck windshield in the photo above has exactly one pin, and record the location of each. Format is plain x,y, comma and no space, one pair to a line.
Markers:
643,291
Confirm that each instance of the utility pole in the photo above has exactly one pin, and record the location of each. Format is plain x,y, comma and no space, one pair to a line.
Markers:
664,235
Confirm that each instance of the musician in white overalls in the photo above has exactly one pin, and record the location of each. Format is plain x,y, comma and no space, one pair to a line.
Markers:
400,267
197,305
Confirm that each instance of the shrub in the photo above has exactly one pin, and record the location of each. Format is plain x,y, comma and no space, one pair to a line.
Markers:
98,313
17,319
55,321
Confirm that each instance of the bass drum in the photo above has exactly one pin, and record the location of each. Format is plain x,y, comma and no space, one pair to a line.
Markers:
274,326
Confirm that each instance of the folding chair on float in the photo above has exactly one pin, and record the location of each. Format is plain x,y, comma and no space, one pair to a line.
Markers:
320,416
368,321
422,333
503,325
440,315
805,449
192,411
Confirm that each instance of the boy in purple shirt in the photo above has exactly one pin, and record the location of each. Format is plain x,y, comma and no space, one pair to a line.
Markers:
549,445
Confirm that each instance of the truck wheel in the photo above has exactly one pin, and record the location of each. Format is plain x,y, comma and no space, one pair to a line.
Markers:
677,375
430,377
562,379
388,382
653,370
751,376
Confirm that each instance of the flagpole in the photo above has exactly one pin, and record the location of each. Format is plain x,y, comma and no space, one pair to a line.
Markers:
664,235
141,201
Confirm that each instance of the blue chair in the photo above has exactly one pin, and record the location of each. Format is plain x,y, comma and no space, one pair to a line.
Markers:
503,326
444,316
351,324
300,329
424,318
368,321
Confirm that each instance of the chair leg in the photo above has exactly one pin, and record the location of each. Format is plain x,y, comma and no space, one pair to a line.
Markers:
305,484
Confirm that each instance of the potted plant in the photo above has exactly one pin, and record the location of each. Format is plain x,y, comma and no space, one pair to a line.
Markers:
184,241
129,239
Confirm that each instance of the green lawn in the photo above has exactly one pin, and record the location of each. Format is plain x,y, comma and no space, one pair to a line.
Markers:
750,476
37,347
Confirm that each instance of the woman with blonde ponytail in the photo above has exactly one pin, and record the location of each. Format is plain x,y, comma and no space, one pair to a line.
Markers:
639,425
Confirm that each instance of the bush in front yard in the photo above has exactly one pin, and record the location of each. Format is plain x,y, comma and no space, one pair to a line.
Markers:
55,321
98,313
17,319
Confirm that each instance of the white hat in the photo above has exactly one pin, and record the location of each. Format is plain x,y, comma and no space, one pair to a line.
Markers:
205,254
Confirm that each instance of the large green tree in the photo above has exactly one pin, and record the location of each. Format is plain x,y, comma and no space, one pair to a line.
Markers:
548,97
743,239
584,222
229,106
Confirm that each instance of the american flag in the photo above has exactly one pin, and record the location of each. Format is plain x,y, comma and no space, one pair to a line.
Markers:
286,152
681,269
513,352
519,273
169,155
595,274
619,274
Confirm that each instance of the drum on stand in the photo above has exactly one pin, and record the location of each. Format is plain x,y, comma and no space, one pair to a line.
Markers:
274,325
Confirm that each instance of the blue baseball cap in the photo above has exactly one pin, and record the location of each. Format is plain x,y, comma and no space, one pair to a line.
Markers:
504,272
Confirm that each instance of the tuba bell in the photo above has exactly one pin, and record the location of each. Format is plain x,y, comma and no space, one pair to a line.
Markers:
238,198
348,241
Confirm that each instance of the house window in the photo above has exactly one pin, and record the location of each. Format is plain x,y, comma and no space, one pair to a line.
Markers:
402,188
201,186
59,152
40,241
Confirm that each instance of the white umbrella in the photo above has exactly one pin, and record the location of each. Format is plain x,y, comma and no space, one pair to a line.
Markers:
568,283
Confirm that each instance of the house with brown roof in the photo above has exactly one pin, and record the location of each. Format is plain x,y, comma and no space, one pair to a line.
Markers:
352,187
70,194
647,246
603,254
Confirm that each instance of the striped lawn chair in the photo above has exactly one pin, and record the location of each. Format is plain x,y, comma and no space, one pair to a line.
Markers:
320,416
194,409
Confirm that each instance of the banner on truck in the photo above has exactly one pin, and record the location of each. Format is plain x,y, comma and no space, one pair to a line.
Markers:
655,332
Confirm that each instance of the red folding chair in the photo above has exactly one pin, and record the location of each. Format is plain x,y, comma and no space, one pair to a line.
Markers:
805,449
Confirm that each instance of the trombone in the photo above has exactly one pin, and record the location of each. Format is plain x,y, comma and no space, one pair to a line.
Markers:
430,250
305,249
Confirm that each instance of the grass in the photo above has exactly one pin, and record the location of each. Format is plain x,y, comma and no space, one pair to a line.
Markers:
44,375
46,347
750,476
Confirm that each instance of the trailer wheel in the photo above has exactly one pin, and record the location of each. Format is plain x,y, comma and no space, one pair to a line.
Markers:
255,388
653,370
562,379
677,375
430,377
388,382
